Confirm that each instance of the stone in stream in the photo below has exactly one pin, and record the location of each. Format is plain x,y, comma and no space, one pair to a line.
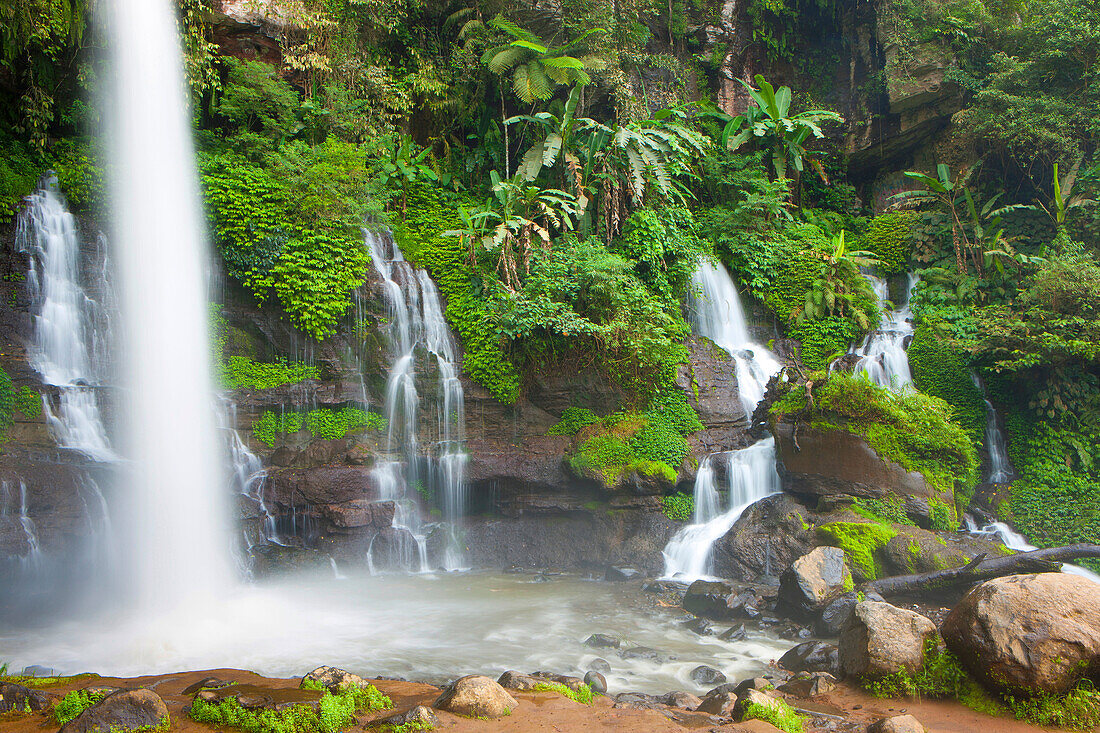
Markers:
619,575
599,664
420,717
879,639
126,710
20,698
704,675
1028,633
897,724
602,641
708,598
512,680
734,633
682,700
476,696
336,680
812,656
641,652
724,687
812,581
700,626
596,681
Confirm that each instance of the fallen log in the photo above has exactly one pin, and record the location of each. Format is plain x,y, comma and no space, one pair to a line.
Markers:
1047,560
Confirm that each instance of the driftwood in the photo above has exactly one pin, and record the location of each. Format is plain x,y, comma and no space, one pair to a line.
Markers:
1037,561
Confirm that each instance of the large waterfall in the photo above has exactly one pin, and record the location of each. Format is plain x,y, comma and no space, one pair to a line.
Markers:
715,310
177,520
882,353
417,325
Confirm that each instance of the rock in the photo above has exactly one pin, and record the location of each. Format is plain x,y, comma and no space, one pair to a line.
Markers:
769,536
254,701
878,639
602,641
754,697
704,675
207,683
812,656
700,626
897,724
708,598
760,684
476,696
641,652
836,612
809,684
127,710
620,574
599,664
1028,633
19,698
916,550
721,703
523,682
724,687
420,717
682,700
336,680
596,681
734,633
813,580
744,604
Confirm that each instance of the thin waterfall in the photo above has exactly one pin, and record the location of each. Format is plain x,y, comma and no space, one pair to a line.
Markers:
1013,540
750,476
13,510
177,522
1000,469
70,327
714,308
419,331
882,353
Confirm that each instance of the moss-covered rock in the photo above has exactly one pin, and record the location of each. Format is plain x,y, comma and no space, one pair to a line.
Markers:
864,545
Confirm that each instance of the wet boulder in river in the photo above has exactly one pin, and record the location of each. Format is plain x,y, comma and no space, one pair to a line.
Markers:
709,599
812,656
812,581
879,639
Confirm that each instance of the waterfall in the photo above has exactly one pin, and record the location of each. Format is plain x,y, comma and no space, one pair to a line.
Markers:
715,311
882,352
1013,540
418,331
1000,470
13,509
176,523
750,476
68,323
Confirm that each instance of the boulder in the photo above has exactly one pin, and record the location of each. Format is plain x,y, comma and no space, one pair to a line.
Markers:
813,580
812,656
618,575
420,717
734,633
748,698
767,537
596,681
916,550
721,703
897,724
476,696
704,675
682,700
599,664
20,698
602,641
512,680
336,680
1029,633
879,639
700,626
808,684
836,612
760,684
126,710
708,598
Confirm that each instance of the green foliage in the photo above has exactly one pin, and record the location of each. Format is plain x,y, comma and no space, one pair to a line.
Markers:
944,515
890,238
679,507
888,510
242,371
778,713
258,100
861,542
334,713
28,402
582,695
323,423
573,419
941,370
73,704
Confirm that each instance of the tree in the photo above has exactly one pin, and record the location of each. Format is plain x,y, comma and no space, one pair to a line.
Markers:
537,69
945,192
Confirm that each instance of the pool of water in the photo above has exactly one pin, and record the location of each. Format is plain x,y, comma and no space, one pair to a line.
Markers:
421,627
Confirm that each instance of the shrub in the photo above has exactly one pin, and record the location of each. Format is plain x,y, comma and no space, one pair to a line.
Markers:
572,420
334,713
679,507
861,543
244,372
323,423
73,704
582,695
779,714
890,238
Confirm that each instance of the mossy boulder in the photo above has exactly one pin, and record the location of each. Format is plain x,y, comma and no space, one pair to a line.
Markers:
864,545
915,550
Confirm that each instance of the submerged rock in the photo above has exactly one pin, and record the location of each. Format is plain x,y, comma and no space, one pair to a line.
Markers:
734,633
878,639
596,681
705,675
127,710
1029,633
476,696
602,641
641,652
616,574
700,626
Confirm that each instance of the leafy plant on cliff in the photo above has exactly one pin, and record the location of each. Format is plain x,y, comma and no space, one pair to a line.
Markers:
323,423
242,371
678,507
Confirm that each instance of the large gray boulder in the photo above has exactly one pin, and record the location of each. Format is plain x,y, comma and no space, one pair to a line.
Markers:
20,698
1029,633
812,656
476,696
709,599
879,639
813,580
126,710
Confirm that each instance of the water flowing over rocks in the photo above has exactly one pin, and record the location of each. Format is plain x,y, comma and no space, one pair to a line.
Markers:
1029,633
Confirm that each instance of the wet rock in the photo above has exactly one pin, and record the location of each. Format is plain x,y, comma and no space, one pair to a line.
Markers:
808,684
641,652
734,633
420,717
812,656
760,684
700,626
682,700
615,574
602,641
897,724
254,701
599,664
749,698
336,680
769,536
724,687
576,684
512,680
704,675
127,710
18,697
476,696
596,681
708,598
1028,633
879,639
916,550
836,612
721,703
636,701
743,605
207,683
813,580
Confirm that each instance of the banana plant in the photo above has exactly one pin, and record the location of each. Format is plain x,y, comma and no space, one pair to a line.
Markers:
945,192
770,120
1064,197
835,289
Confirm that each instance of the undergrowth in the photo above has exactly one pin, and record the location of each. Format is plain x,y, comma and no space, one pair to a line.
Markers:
679,507
781,715
582,695
73,704
323,423
333,712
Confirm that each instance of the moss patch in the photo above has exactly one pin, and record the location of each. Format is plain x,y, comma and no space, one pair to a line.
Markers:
862,543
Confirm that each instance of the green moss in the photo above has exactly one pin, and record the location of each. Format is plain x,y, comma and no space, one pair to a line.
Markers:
779,714
29,403
572,420
944,516
890,238
583,695
334,712
943,371
244,372
679,507
862,542
73,704
890,509
327,424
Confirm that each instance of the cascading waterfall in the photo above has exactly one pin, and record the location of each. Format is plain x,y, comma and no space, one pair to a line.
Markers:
882,353
177,520
750,476
13,509
69,324
1000,469
417,323
1015,541
715,311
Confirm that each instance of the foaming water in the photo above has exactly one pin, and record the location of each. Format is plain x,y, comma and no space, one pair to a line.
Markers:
174,519
882,353
423,627
1013,540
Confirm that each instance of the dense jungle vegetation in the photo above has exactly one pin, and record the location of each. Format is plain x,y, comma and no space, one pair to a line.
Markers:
561,173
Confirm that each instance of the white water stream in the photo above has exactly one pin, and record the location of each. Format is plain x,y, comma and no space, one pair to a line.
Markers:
882,352
1013,540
